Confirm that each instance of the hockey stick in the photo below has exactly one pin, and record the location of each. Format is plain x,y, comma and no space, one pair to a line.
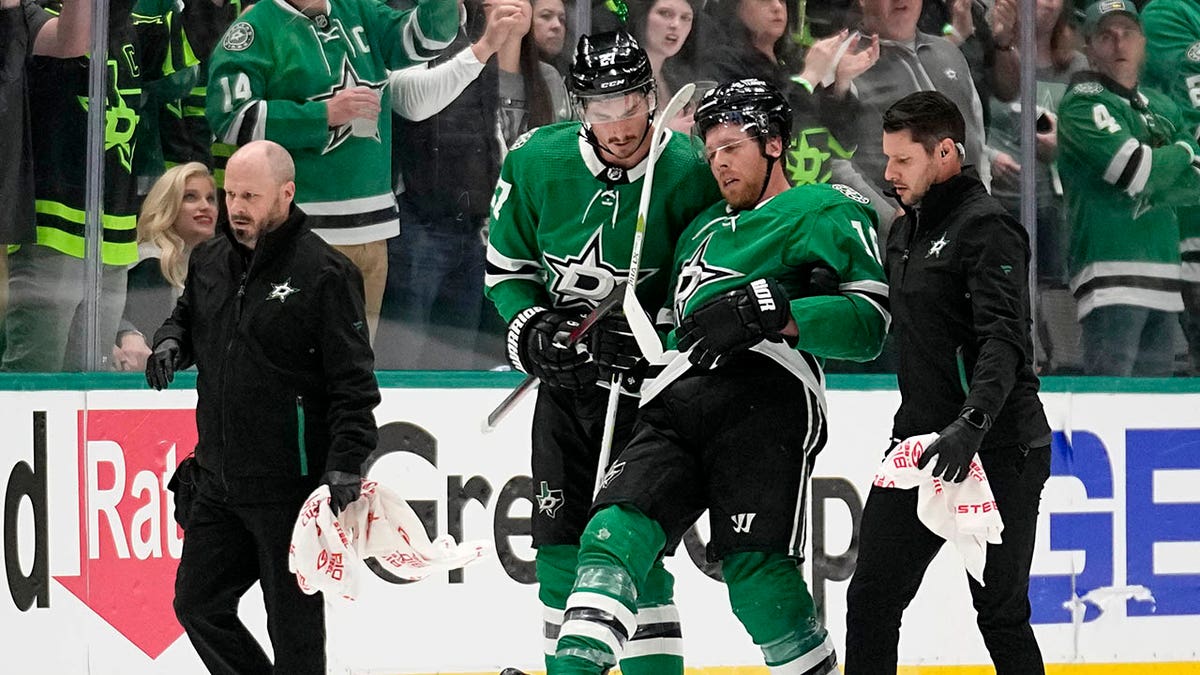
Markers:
647,341
639,321
608,304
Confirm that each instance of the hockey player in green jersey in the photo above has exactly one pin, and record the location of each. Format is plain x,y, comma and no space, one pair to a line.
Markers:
308,74
1172,30
560,240
765,284
1127,160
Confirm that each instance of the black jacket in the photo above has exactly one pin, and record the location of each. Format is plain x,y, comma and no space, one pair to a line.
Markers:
286,378
958,285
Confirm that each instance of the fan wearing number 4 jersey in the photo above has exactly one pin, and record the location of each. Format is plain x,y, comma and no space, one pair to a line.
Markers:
1127,162
560,240
766,283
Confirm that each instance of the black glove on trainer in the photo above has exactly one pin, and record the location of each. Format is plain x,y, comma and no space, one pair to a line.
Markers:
955,447
160,367
734,321
344,488
616,352
537,345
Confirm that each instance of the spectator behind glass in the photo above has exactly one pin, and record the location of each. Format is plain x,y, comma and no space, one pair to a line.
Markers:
1172,33
909,61
1127,163
44,325
179,213
309,74
756,44
455,122
25,30
664,28
186,136
988,46
550,33
1057,61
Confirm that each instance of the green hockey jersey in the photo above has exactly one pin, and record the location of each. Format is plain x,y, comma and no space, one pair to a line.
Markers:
562,221
275,68
1126,162
782,238
1172,30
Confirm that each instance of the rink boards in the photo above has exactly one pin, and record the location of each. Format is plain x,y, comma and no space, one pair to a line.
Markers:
90,548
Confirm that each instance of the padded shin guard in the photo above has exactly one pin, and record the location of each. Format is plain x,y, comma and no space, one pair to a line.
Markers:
617,551
768,595
555,569
656,648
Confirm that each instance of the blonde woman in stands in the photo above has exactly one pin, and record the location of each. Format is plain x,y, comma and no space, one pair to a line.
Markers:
179,213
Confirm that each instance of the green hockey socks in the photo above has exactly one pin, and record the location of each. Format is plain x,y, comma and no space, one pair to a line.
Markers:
618,551
768,595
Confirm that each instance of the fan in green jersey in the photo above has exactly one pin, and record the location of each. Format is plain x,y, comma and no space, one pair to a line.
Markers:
1127,162
766,283
560,240
1173,35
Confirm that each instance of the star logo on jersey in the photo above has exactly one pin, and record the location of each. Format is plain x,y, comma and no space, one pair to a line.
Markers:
950,74
120,120
281,292
549,501
696,272
613,471
239,37
349,80
935,247
587,275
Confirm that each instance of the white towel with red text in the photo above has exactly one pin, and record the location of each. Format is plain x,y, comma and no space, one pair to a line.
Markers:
964,514
325,551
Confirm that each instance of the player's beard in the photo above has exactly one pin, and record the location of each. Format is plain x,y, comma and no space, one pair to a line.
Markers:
744,193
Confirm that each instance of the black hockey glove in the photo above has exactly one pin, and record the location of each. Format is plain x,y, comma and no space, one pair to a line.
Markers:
344,488
160,367
822,280
734,321
537,345
955,447
616,352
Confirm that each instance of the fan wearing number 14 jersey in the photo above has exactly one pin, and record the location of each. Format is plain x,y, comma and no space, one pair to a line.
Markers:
561,236
766,283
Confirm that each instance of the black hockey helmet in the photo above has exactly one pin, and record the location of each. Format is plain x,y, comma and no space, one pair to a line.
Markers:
755,105
609,63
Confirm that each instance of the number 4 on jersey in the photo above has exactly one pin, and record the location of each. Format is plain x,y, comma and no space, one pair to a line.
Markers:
1104,120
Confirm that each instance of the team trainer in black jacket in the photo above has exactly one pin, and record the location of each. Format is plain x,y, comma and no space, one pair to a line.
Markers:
956,266
273,318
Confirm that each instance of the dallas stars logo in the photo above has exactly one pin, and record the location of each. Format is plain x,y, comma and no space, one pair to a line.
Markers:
281,292
935,247
587,275
350,79
549,501
696,272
